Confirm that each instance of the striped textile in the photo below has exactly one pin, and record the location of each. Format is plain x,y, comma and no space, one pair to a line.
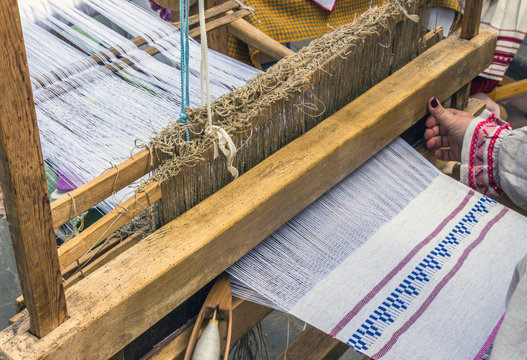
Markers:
414,273
296,20
509,19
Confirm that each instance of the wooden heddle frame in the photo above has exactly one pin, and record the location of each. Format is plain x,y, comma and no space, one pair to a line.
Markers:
102,313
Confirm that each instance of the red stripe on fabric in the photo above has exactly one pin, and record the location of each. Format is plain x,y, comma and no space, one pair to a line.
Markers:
440,286
497,28
490,339
510,39
358,307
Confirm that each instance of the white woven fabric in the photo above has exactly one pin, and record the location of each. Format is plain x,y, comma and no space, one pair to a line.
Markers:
423,279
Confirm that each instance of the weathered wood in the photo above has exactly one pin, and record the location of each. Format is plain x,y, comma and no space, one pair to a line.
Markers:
90,267
210,13
258,39
164,269
313,344
107,225
218,304
100,188
471,19
215,25
23,181
433,37
115,247
245,315
217,34
459,99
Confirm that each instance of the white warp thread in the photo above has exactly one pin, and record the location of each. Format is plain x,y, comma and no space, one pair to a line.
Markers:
99,114
397,260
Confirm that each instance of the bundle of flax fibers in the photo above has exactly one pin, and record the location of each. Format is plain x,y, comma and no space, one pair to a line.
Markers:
278,106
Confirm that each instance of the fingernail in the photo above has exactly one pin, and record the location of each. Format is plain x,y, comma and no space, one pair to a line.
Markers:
434,103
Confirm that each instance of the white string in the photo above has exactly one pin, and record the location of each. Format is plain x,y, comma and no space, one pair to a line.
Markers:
90,116
223,141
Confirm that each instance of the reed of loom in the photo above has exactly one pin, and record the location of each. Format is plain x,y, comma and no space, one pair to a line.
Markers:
124,297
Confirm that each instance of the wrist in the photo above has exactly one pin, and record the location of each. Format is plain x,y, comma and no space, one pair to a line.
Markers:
481,142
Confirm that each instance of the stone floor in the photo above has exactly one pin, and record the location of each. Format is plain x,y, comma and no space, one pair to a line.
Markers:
9,286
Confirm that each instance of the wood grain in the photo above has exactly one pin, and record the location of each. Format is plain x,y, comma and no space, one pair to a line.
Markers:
216,33
258,39
107,225
128,295
210,13
313,344
245,315
215,25
23,181
471,19
100,188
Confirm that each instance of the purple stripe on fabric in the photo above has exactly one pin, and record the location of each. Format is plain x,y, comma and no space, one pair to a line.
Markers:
439,286
490,340
358,307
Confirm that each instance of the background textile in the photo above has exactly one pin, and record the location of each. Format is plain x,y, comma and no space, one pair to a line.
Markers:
296,20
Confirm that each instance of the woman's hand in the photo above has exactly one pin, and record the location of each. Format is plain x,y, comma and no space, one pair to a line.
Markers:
445,129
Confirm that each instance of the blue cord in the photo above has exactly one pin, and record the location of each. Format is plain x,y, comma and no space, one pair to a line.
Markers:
185,93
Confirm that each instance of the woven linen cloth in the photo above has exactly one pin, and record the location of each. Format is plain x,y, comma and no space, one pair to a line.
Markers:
297,20
398,261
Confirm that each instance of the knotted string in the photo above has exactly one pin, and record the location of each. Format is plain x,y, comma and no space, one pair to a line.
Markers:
222,140
185,93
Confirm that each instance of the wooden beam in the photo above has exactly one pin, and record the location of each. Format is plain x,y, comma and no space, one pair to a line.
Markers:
217,34
145,283
245,315
258,39
433,37
23,181
107,225
313,344
509,90
471,19
210,13
100,188
214,25
73,275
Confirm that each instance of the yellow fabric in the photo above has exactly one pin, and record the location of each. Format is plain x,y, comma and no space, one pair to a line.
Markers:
295,20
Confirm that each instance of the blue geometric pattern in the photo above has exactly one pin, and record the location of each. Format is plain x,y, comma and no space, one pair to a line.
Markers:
403,295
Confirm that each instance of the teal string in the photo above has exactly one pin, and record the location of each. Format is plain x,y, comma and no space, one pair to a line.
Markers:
185,93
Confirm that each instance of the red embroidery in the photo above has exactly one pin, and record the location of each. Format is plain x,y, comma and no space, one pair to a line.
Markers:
481,163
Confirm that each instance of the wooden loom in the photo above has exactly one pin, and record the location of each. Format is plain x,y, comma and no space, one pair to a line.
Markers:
123,298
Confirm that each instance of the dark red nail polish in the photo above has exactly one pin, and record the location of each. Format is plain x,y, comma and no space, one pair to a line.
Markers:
434,103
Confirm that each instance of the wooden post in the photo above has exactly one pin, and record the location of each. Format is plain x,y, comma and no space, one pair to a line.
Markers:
23,180
469,29
217,38
471,19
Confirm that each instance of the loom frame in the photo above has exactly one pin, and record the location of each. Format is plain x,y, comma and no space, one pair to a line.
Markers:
411,103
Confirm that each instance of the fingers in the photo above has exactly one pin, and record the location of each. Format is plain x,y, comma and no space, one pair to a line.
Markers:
440,114
435,131
445,155
437,142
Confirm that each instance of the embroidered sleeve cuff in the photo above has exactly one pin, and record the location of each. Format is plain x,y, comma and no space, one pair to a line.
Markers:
481,144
